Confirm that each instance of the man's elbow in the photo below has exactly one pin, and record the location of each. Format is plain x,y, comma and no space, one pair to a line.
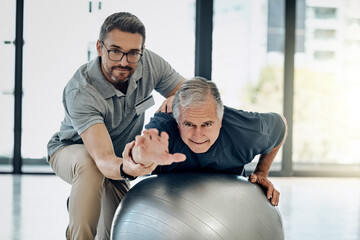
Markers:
286,128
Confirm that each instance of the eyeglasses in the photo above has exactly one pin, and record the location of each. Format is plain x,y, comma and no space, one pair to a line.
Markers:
117,55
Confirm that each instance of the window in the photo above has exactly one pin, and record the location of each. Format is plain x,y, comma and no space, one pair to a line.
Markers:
7,60
321,34
324,55
326,130
248,43
325,12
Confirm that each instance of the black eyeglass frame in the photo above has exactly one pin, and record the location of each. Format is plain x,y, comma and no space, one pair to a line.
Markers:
123,54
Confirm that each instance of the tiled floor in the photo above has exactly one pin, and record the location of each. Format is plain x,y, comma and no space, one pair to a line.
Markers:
33,207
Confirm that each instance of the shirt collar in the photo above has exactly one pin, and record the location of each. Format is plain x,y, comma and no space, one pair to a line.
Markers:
105,88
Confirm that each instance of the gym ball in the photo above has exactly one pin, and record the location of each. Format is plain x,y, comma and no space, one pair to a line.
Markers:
196,205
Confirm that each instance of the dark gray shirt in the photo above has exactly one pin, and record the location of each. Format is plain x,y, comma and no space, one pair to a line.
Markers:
243,135
89,98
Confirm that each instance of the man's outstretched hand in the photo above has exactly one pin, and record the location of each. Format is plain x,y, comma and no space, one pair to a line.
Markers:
271,193
149,150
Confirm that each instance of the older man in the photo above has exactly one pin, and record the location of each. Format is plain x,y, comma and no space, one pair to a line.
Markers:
211,137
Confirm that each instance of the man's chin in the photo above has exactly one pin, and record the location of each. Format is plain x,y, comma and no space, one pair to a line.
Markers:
121,75
199,149
120,78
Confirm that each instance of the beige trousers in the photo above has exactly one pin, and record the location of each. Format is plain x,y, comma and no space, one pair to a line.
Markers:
93,198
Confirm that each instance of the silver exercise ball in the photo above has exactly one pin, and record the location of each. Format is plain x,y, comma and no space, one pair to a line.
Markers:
196,206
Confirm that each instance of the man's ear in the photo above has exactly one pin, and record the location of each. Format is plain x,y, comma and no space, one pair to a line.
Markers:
98,48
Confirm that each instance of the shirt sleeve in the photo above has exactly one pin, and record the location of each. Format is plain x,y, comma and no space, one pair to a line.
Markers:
80,108
161,121
164,122
167,77
274,127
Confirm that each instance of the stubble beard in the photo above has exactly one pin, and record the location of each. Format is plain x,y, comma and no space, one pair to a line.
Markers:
122,78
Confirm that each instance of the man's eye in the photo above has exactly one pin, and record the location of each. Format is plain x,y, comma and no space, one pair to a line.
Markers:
133,54
115,51
188,124
207,124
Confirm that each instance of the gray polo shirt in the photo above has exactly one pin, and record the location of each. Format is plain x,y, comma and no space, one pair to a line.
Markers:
89,98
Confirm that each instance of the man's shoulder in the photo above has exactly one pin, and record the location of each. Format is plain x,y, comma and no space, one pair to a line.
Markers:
80,77
162,121
250,121
240,113
147,53
87,79
242,122
236,116
151,59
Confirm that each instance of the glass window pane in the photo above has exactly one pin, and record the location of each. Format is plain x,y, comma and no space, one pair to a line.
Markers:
322,12
7,69
248,60
327,86
56,46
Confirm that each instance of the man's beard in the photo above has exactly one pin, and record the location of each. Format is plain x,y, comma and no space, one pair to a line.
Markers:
115,79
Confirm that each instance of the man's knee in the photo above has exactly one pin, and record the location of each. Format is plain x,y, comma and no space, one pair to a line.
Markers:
86,168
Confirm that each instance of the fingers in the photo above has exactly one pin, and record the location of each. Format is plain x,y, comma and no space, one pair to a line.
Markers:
151,131
253,178
148,135
166,106
153,134
177,157
127,150
275,199
270,189
151,167
168,159
139,139
163,107
271,193
152,148
164,137
137,169
169,106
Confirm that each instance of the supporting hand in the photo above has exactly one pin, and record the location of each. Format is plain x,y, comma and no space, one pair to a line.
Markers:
132,168
271,193
166,106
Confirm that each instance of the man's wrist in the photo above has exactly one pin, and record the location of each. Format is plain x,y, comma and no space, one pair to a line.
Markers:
261,173
126,176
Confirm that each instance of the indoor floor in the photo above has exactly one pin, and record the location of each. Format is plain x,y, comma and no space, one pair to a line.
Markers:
34,207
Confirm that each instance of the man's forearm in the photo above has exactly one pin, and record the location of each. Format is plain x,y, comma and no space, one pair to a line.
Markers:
98,144
266,160
109,167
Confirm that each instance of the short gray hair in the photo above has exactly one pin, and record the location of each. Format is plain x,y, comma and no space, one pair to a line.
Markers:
194,92
122,21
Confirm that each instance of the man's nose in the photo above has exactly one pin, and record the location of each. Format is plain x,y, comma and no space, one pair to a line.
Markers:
123,61
198,133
